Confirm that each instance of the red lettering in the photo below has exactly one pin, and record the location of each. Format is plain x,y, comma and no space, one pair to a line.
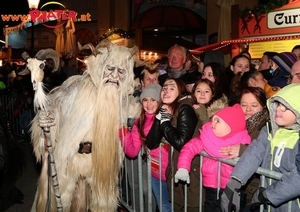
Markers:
64,16
43,17
51,15
24,17
58,13
72,15
88,16
14,18
5,17
34,14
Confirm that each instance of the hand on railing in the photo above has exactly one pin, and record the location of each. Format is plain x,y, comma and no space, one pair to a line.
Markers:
259,199
183,175
230,199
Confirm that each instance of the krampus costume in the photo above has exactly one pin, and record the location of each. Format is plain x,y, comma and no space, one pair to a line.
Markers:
83,117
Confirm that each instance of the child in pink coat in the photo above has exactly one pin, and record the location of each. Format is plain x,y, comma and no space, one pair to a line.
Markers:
135,140
228,127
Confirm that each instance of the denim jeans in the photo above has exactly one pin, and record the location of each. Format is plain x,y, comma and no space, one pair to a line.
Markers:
165,204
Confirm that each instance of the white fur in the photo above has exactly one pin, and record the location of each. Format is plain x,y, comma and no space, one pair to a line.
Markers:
85,109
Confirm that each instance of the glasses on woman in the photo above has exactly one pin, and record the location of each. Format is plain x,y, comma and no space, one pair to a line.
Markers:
281,106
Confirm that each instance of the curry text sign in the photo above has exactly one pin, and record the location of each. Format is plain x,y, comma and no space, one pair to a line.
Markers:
282,21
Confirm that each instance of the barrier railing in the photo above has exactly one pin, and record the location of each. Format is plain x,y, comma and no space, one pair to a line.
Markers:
7,104
145,192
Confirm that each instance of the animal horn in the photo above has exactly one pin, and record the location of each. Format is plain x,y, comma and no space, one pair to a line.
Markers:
152,66
88,46
24,72
25,56
135,54
105,43
43,54
79,46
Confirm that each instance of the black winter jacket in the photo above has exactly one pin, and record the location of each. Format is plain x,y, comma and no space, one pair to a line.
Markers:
176,136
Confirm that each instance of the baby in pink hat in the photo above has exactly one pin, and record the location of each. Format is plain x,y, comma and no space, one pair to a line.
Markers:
228,127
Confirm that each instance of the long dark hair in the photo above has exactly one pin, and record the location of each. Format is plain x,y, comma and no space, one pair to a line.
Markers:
141,126
251,74
221,81
182,91
210,84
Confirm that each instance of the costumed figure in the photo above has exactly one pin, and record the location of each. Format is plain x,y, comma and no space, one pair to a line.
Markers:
77,126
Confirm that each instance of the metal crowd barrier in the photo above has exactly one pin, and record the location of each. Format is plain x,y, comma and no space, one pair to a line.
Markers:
7,104
134,195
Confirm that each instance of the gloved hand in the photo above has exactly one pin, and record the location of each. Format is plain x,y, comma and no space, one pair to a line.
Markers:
260,198
122,132
230,199
163,115
182,174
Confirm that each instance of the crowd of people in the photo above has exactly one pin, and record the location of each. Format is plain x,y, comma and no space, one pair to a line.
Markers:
240,110
198,103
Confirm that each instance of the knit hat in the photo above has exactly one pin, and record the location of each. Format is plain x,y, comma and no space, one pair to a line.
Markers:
285,61
152,90
234,117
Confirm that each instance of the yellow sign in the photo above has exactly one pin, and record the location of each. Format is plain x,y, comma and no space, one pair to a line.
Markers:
256,49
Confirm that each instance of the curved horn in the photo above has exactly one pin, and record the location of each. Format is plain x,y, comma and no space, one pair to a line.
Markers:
24,72
135,54
25,56
105,43
43,54
88,46
79,46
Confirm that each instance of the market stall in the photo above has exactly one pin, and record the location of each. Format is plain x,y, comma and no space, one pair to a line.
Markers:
278,30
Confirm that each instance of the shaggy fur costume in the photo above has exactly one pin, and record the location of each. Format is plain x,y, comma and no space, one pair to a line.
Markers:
87,108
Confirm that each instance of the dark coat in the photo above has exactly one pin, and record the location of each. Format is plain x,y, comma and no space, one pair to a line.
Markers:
177,133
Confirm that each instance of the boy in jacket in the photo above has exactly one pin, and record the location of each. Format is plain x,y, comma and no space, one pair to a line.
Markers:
275,149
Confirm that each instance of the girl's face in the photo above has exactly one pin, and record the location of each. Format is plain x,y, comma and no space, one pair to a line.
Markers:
203,93
241,65
169,92
283,116
150,105
219,127
250,105
208,74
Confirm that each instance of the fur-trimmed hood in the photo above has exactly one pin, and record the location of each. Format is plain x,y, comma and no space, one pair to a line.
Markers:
217,105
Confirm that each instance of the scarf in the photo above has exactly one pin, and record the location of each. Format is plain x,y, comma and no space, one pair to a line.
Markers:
256,120
176,74
212,143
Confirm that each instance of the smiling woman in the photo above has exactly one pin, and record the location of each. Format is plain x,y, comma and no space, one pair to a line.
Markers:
174,125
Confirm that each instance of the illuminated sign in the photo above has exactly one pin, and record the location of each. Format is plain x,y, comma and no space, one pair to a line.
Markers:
41,16
284,18
256,49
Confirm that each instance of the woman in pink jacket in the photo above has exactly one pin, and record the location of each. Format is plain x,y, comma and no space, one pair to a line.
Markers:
135,140
228,127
